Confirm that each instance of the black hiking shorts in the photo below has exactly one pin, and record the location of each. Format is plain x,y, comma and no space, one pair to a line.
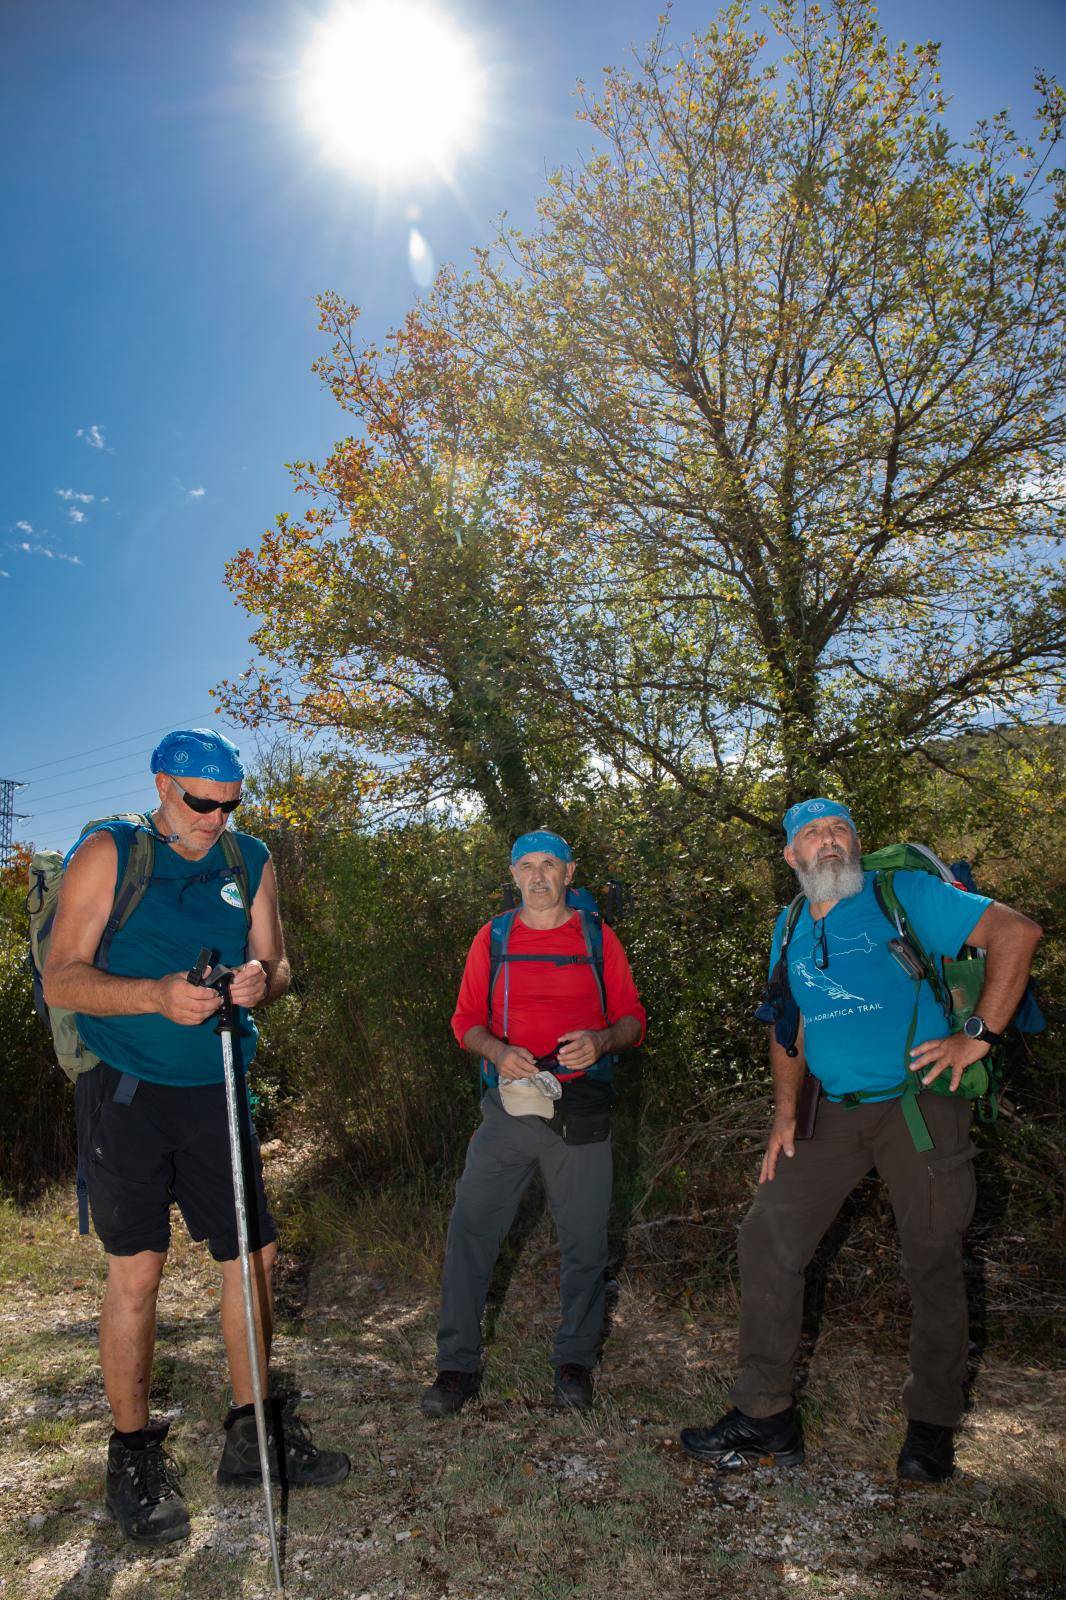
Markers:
167,1146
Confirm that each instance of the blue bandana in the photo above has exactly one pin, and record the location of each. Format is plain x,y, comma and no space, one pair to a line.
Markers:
798,816
198,753
550,843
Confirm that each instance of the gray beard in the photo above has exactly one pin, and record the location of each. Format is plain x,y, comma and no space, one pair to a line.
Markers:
832,880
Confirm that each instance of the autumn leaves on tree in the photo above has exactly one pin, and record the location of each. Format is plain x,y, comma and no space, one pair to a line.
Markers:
745,466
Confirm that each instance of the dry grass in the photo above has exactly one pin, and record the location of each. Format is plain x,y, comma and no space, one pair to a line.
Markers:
509,1499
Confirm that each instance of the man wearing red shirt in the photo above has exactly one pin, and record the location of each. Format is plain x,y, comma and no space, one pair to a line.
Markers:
546,1001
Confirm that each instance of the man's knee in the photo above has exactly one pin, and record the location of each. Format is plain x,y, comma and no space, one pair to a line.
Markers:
265,1257
769,1240
135,1279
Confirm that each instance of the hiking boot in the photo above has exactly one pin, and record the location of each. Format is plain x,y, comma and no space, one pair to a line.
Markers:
449,1392
302,1465
928,1454
738,1438
573,1386
142,1490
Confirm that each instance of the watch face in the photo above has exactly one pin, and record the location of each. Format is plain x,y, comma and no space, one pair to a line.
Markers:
973,1027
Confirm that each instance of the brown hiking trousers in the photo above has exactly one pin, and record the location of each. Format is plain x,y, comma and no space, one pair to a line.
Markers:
932,1195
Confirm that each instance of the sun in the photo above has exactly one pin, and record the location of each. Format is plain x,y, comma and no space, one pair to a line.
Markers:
392,88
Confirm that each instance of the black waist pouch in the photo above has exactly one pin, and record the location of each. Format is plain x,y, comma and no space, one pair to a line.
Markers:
583,1114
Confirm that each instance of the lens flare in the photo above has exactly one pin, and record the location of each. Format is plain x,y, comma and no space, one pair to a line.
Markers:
392,88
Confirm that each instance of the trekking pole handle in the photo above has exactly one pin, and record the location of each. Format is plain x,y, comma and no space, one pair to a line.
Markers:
219,977
198,975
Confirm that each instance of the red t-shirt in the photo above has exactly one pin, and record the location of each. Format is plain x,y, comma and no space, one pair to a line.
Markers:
545,1001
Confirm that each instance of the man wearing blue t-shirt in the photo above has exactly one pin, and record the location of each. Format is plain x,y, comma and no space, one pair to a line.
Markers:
857,1007
152,1126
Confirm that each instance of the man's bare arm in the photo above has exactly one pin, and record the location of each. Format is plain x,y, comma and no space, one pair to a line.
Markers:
70,979
265,976
583,1048
1008,939
510,1060
788,1074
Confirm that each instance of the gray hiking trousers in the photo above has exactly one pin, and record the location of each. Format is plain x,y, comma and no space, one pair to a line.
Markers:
932,1195
502,1157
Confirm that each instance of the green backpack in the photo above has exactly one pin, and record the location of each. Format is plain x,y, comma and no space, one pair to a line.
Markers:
45,877
956,983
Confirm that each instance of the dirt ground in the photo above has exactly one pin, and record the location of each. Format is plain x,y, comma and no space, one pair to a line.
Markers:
509,1499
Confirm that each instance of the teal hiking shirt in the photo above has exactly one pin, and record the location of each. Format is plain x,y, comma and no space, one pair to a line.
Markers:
188,906
857,1009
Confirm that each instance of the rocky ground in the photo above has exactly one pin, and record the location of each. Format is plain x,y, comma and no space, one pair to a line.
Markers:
510,1499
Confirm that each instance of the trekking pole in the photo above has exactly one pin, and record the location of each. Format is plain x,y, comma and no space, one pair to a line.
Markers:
221,978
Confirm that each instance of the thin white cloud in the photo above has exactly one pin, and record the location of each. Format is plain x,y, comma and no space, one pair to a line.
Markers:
74,515
24,527
195,494
94,437
50,555
76,494
4,574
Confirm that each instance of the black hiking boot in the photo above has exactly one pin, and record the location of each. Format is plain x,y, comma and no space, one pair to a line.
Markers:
928,1454
738,1438
302,1464
142,1491
573,1387
449,1393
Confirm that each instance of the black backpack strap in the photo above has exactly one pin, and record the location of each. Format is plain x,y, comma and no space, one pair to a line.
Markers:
778,1005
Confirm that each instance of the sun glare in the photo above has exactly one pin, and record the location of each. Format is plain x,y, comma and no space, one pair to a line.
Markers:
392,88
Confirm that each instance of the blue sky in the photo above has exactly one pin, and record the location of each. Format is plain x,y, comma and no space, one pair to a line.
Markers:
169,219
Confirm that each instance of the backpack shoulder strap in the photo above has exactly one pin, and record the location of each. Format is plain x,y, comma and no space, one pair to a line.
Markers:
592,931
778,1006
792,916
239,867
499,938
893,908
136,854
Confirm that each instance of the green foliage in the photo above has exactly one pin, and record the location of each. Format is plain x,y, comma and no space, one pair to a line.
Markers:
36,1101
379,925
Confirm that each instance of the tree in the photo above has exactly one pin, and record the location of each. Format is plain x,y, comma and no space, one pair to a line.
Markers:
740,476
395,610
797,363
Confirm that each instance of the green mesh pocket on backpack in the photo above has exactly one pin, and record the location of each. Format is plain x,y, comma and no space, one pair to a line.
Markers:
965,980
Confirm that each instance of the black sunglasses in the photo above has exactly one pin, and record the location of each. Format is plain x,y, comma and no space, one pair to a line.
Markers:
196,802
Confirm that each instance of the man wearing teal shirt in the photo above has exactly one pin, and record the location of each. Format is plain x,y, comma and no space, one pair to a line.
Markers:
856,1005
152,1125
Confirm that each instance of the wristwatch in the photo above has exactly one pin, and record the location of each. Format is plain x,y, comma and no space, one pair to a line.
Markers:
976,1027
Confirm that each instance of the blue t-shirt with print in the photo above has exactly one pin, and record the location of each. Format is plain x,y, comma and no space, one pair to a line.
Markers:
857,1010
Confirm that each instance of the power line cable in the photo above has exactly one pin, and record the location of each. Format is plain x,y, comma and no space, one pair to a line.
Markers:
101,783
162,728
114,805
91,766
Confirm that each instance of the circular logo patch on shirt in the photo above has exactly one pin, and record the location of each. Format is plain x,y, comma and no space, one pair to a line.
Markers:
232,895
